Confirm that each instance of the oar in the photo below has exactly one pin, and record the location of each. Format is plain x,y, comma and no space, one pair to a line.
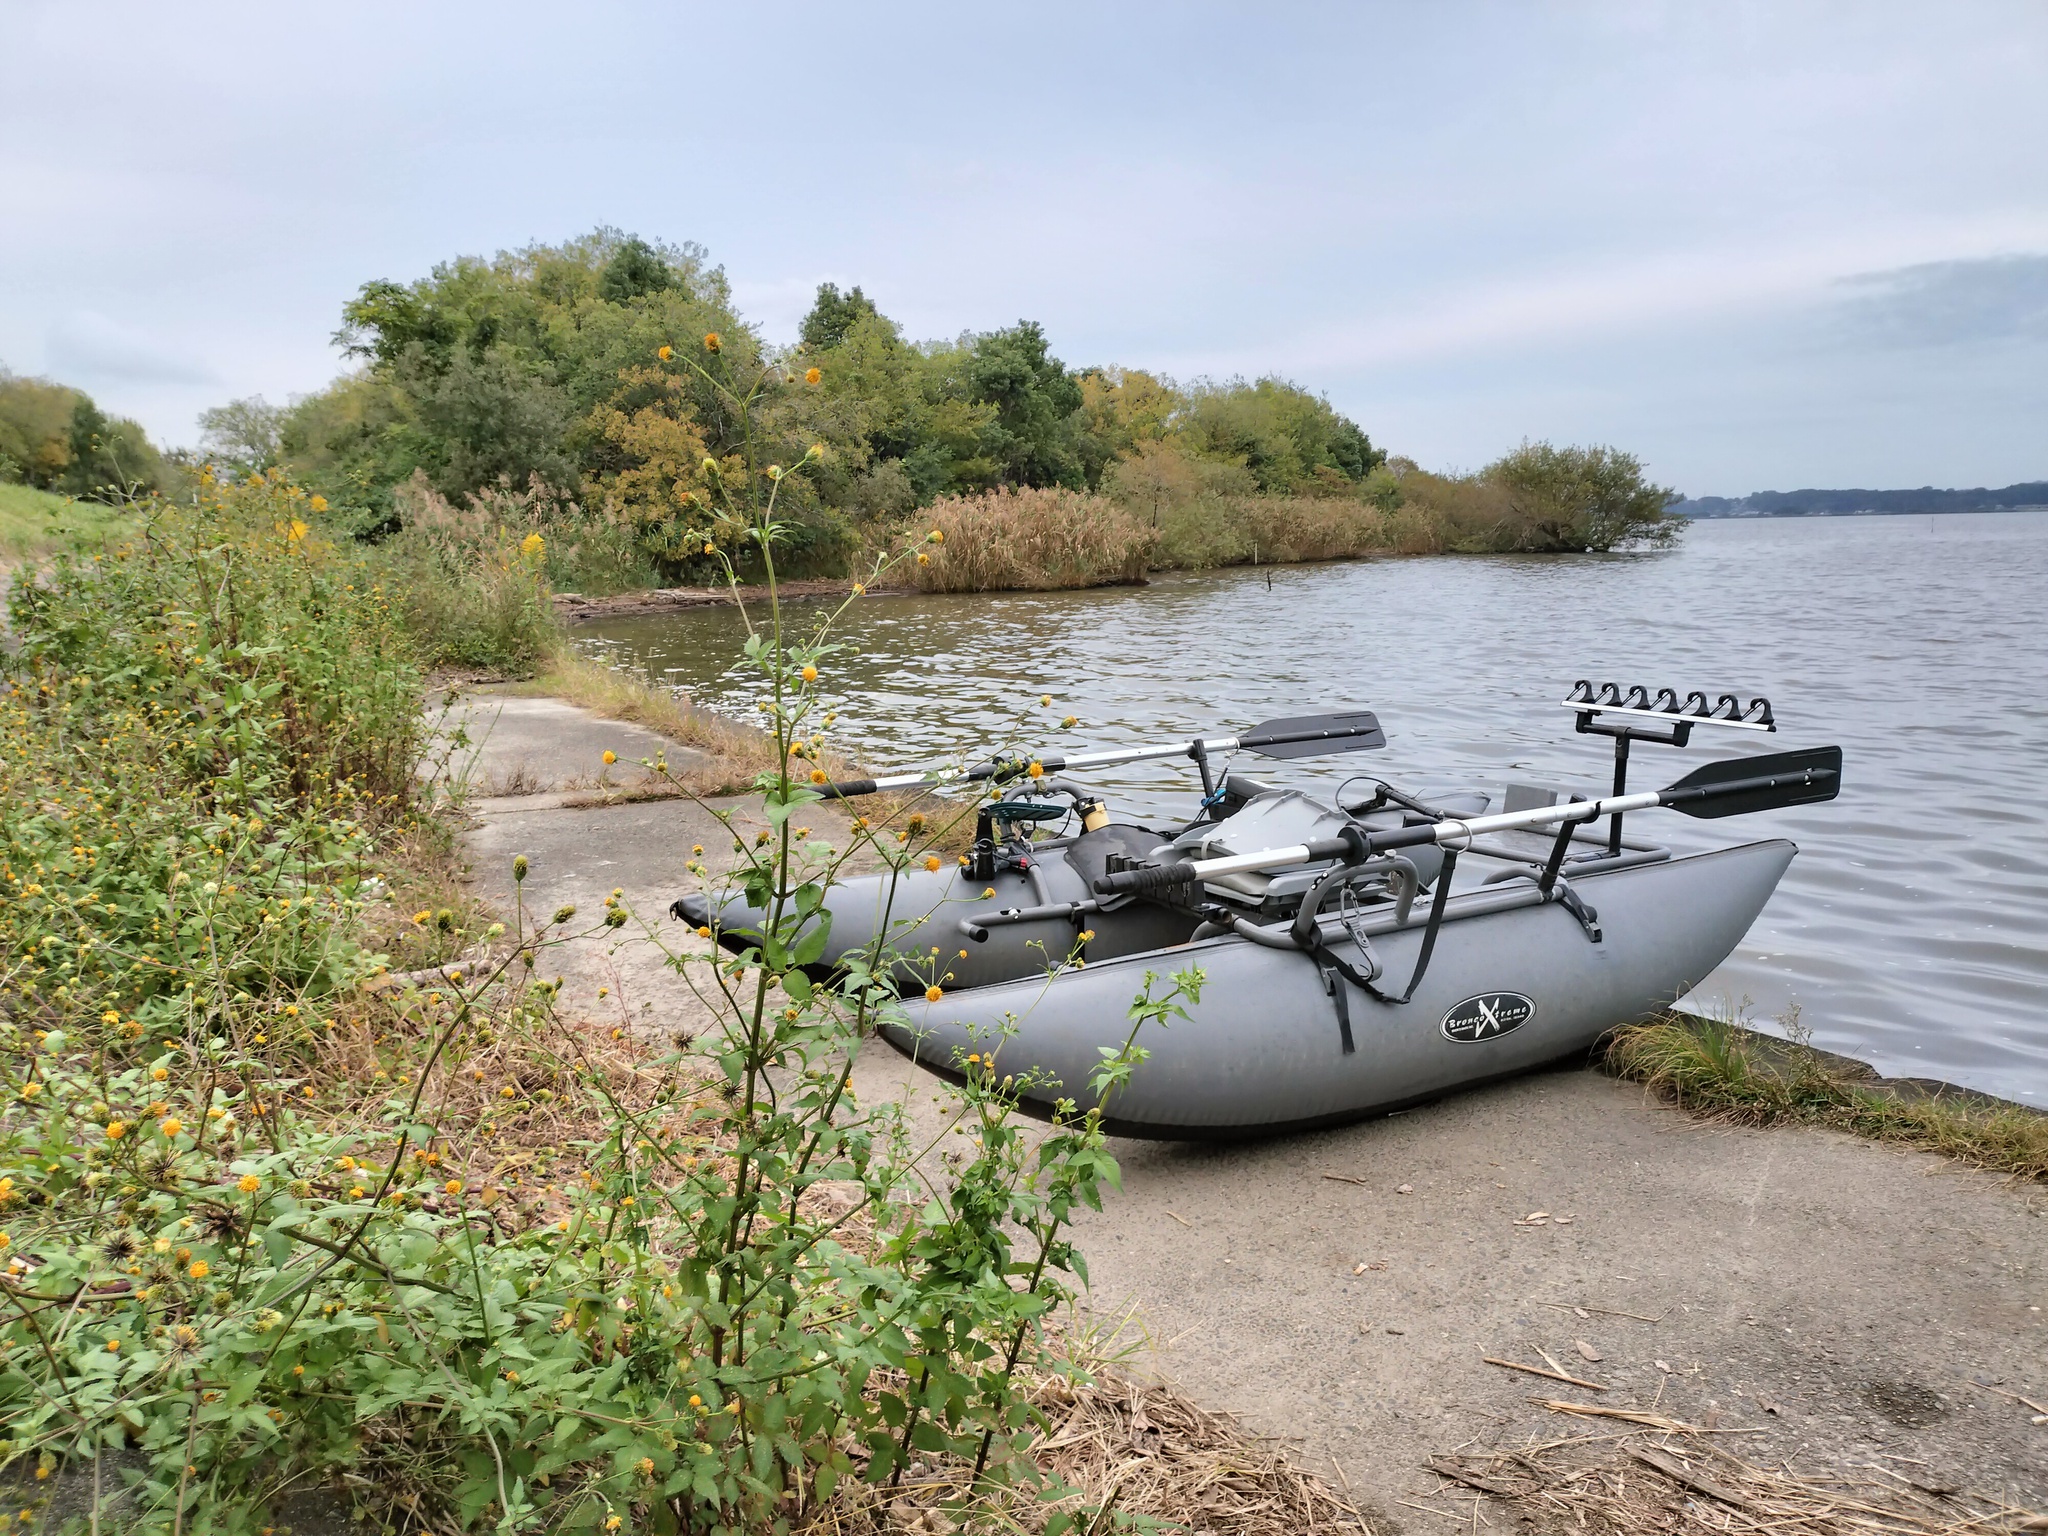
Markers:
1732,788
1296,736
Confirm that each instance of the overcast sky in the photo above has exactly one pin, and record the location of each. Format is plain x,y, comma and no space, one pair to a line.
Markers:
1763,246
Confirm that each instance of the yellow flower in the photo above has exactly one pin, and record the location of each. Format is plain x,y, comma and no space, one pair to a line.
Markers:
1071,721
199,1269
1036,770
1045,700
296,532
932,863
933,993
963,954
664,352
813,375
532,544
610,757
355,1192
110,1017
453,1187
817,776
711,341
318,503
422,915
248,1184
810,674
644,1466
938,536
859,587
923,558
116,1129
114,1345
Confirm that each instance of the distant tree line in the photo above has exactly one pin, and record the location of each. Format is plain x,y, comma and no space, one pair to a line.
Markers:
2029,493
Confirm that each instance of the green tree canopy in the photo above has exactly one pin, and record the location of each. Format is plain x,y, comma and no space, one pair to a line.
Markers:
1289,439
546,361
833,315
1033,437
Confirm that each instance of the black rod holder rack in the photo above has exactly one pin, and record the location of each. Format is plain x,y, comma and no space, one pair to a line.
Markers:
1668,708
1676,716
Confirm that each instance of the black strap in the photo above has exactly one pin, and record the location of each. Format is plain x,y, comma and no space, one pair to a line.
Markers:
1333,983
1330,961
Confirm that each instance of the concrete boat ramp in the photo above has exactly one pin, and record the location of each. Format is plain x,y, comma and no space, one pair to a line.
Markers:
1842,1303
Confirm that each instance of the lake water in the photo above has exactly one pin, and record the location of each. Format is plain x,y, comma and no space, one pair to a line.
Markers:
1912,931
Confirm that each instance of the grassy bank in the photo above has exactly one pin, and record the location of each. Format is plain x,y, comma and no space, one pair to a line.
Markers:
1721,1070
36,523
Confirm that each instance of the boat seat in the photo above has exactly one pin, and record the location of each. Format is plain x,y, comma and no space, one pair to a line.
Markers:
1088,854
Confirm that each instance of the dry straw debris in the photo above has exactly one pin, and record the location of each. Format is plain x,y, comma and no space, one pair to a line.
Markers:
1674,1481
1125,1450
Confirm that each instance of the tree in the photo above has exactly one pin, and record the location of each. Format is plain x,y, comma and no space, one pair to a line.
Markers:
485,419
1034,435
35,429
247,434
1122,410
1280,432
636,269
1584,498
833,314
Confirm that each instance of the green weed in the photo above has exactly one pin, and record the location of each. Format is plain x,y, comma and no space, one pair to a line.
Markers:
1715,1067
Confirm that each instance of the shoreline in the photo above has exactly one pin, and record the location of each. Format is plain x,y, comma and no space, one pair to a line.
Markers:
576,608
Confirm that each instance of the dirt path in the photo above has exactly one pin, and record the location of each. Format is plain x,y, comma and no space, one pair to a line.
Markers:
1838,1302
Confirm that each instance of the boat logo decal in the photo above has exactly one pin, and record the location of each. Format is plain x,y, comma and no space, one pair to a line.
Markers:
1488,1016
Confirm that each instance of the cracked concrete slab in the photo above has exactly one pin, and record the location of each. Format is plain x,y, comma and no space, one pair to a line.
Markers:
517,747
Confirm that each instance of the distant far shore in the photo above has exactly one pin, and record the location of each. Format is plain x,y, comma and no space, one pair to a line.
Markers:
2027,496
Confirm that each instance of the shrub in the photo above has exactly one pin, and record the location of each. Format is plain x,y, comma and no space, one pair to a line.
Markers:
1032,540
262,1226
473,579
1209,512
1569,499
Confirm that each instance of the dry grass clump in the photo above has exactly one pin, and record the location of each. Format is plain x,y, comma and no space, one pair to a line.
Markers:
1717,1068
1031,540
1123,1451
1685,1485
737,751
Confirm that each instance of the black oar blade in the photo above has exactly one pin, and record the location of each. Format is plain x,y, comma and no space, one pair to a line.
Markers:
1315,735
1766,783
